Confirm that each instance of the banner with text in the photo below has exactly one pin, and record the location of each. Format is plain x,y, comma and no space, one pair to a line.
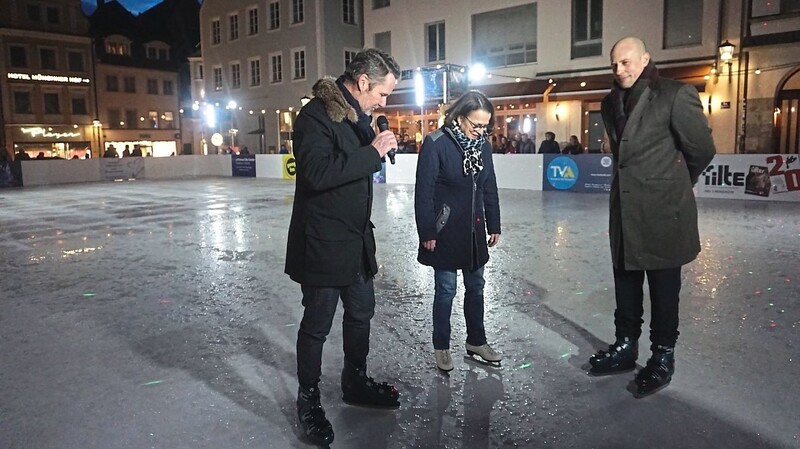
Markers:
243,165
769,177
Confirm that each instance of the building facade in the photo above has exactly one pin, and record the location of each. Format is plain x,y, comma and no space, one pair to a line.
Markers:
137,87
47,101
259,60
547,66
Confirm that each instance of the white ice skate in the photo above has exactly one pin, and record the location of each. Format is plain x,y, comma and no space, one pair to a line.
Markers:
443,360
484,355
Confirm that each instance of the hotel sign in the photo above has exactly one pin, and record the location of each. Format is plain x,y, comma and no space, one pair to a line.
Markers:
61,79
41,132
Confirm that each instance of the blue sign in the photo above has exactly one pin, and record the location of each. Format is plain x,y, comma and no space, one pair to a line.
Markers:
562,173
585,173
243,165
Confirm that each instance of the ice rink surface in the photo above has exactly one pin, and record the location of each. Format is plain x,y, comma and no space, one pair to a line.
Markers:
155,314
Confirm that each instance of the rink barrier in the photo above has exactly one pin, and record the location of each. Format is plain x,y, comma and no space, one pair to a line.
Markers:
770,177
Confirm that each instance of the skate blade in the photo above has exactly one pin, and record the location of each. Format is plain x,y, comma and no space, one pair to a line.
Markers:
610,373
639,395
483,362
372,406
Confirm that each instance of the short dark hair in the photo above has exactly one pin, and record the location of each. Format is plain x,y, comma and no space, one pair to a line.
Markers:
473,100
550,133
376,64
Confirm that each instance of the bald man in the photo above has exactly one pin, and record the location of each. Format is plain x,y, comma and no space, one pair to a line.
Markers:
661,143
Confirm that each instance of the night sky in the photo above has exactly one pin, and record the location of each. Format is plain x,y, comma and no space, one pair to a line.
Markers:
134,6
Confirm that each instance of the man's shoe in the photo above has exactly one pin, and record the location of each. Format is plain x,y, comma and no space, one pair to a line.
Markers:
360,389
657,374
620,358
483,354
316,427
443,360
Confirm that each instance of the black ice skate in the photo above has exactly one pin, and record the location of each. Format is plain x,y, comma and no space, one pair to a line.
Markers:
483,354
620,358
313,423
361,390
657,374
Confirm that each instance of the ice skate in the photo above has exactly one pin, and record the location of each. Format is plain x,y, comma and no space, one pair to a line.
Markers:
443,360
314,425
362,390
620,358
484,355
657,374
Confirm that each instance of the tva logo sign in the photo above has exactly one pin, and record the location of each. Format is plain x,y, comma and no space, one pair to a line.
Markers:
562,173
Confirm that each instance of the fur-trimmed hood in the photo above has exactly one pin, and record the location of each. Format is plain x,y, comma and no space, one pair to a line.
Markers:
335,104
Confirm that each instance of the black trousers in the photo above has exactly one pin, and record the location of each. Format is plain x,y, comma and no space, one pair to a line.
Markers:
320,307
665,288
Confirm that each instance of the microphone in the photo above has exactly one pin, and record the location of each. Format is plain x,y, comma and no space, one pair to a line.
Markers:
383,125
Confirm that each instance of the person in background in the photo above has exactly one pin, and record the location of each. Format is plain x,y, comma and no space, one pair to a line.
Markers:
661,143
549,144
331,245
574,146
458,218
525,144
22,155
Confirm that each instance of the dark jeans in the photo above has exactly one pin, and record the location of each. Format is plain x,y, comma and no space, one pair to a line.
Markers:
445,285
665,288
320,307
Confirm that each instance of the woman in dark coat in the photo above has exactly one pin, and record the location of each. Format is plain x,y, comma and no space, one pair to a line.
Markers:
455,203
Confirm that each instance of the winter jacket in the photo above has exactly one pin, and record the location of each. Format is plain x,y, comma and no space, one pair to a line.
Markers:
665,146
472,203
330,234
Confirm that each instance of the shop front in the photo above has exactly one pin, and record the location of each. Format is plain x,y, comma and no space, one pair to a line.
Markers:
51,141
156,143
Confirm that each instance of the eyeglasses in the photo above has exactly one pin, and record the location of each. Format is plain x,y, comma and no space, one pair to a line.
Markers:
477,127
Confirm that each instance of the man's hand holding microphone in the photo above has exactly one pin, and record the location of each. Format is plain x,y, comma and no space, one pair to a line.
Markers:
385,142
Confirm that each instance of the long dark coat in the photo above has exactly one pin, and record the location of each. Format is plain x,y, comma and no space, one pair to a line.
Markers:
665,146
474,204
330,234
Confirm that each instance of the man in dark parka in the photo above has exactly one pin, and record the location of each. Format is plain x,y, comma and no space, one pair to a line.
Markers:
331,246
661,143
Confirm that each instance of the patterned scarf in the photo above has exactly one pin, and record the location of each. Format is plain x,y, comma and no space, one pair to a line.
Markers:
473,161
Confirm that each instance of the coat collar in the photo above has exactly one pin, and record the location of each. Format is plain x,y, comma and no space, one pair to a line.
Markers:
335,104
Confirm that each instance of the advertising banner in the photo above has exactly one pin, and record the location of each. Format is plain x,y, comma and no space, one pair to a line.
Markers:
289,167
116,169
584,173
765,177
243,165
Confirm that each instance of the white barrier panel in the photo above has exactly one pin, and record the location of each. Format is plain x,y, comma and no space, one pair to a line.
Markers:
765,177
60,171
519,171
269,166
513,171
404,171
187,166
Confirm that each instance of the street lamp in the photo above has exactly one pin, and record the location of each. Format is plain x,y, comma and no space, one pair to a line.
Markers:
726,55
96,130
